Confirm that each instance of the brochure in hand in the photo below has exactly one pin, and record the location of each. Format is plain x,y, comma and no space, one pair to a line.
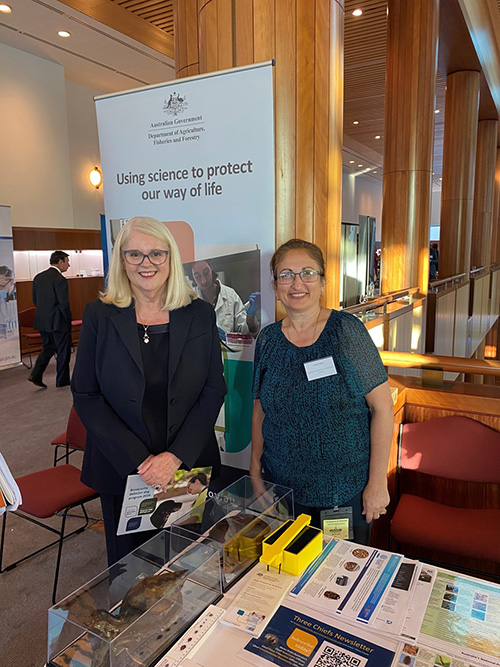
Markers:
145,508
10,495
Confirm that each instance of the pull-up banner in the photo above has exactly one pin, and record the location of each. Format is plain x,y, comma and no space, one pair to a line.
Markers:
10,353
198,155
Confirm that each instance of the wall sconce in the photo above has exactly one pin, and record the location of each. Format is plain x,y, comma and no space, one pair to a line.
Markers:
95,177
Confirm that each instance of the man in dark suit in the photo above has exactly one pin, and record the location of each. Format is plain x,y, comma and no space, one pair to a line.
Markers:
53,319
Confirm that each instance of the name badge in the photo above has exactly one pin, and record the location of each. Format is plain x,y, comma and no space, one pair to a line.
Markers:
320,368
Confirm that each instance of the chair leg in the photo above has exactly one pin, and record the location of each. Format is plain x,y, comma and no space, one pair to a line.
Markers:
2,540
59,552
29,352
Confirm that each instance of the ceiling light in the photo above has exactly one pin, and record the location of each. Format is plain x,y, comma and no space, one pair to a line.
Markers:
5,9
64,33
436,110
360,165
357,12
355,122
95,177
377,136
375,172
351,161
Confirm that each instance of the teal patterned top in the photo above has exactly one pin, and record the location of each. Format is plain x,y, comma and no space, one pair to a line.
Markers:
317,433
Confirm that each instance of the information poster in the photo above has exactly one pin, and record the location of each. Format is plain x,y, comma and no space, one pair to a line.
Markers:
10,353
463,619
198,154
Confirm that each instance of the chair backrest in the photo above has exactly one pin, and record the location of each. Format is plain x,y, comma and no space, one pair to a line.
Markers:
76,433
27,317
452,447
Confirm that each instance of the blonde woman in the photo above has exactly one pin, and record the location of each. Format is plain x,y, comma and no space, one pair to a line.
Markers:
148,382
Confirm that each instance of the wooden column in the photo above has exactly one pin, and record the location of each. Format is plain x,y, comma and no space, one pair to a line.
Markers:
459,161
484,188
412,33
495,236
306,41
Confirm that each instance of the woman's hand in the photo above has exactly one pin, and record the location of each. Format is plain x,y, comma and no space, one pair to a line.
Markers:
159,470
375,500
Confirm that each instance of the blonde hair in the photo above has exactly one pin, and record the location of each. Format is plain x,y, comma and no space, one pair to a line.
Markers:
119,292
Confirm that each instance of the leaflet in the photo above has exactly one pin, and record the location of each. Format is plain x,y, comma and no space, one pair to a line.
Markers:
365,599
333,575
412,655
392,613
463,619
145,508
418,604
258,600
9,489
294,639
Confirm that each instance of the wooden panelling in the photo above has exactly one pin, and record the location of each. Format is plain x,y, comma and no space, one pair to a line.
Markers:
484,187
126,21
445,323
461,319
186,38
81,291
38,238
460,139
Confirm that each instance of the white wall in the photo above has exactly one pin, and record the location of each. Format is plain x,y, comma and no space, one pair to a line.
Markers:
361,196
41,152
84,154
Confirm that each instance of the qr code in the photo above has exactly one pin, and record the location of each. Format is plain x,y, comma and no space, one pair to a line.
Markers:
332,656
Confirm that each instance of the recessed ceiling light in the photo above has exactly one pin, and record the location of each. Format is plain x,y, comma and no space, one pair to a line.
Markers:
436,110
351,161
377,136
5,9
64,33
355,122
360,165
357,12
375,172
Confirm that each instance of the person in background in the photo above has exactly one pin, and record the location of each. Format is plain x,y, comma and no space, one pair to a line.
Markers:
433,261
53,320
148,382
232,315
323,414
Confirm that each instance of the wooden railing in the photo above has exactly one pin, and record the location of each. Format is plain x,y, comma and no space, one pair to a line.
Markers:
433,362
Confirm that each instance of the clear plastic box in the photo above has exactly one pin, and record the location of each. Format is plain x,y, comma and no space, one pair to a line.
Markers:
135,610
236,521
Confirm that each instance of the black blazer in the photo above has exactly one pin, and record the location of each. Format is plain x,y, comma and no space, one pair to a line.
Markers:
51,298
108,388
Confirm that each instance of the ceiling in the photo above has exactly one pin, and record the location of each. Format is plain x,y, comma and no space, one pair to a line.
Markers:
122,44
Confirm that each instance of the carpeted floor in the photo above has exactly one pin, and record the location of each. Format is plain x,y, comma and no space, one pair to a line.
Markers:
30,418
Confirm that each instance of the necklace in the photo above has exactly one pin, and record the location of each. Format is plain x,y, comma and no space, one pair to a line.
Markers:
145,338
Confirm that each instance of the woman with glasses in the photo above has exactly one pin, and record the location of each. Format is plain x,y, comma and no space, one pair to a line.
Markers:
148,382
323,414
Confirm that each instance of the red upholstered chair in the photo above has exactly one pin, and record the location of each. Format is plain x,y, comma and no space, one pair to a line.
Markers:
449,481
72,439
45,494
32,337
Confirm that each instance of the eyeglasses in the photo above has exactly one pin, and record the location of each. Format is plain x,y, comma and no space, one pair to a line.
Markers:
137,257
307,276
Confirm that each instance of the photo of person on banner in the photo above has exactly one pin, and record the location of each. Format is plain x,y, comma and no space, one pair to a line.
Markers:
231,313
7,294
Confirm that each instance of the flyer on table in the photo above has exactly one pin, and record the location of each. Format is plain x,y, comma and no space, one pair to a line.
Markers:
294,639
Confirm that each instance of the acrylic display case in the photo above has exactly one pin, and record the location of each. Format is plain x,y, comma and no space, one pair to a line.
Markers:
236,521
134,611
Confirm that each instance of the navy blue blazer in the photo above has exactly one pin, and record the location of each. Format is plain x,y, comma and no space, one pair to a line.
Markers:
51,298
108,387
